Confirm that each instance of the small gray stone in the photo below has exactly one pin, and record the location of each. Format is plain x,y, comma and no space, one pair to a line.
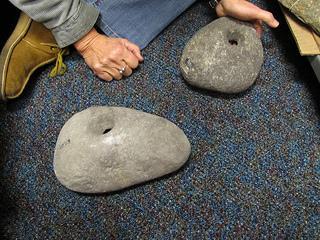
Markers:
224,56
104,149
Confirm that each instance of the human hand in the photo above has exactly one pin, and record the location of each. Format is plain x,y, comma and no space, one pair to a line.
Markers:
108,58
246,11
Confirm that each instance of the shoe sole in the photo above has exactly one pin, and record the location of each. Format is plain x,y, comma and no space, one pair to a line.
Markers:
19,32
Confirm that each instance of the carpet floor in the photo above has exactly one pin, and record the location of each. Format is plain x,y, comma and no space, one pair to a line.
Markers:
255,163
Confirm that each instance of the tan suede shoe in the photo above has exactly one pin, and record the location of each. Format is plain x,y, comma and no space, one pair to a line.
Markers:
29,47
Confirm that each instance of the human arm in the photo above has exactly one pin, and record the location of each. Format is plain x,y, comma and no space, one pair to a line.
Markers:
68,20
72,23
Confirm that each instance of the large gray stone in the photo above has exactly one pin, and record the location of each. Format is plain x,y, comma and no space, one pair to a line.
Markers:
224,56
308,11
104,149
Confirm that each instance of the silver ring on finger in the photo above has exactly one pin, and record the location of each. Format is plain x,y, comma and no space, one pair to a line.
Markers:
122,70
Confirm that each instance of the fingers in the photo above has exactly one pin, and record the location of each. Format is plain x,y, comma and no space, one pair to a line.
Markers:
134,49
109,74
128,59
246,11
127,70
131,60
104,76
112,58
267,17
113,71
118,72
258,26
249,11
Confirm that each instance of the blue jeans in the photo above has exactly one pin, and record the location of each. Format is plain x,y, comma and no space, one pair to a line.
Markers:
140,21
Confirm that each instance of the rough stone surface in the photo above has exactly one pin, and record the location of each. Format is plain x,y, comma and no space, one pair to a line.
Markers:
224,56
104,149
308,11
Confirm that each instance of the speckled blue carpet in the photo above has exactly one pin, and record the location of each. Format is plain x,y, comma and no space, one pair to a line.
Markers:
254,168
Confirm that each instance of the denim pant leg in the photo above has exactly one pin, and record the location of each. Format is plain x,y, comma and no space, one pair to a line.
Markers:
140,21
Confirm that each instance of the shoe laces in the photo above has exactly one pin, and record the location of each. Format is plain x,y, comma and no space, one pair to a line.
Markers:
60,67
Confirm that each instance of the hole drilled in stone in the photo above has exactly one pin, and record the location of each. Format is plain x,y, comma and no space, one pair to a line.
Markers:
233,42
188,63
107,130
234,37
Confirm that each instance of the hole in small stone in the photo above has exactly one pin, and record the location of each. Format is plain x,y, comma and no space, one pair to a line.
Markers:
233,42
107,130
188,62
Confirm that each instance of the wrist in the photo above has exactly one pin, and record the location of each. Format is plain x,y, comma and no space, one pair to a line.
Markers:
82,44
214,3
